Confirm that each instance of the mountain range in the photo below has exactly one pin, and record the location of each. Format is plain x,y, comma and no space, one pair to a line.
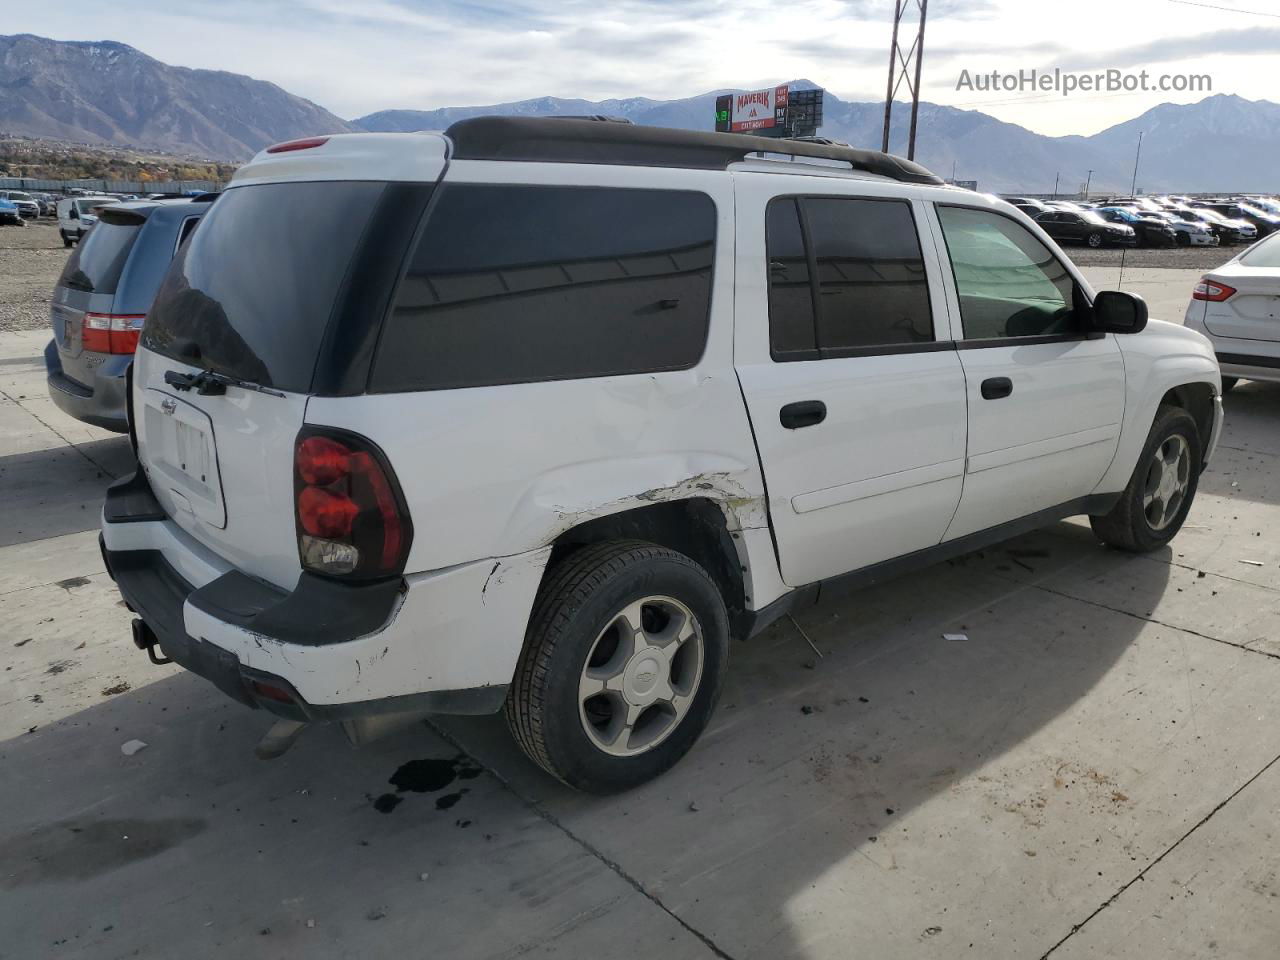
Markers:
110,93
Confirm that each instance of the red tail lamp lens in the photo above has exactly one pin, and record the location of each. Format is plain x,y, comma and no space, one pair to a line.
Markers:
1213,291
304,144
321,461
350,517
111,332
325,514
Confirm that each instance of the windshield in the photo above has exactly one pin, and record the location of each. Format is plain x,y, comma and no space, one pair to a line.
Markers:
86,206
98,260
18,195
254,288
1264,254
1212,215
1091,217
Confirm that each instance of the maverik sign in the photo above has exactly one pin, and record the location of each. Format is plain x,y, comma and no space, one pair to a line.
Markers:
756,111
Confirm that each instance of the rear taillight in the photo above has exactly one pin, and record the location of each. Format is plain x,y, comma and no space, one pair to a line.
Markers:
112,332
305,144
1212,291
350,516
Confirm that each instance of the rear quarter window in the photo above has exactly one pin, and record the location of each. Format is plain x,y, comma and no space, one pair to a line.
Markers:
518,283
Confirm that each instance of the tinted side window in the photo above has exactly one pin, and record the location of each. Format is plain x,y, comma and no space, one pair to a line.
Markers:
872,289
514,283
792,332
1008,282
868,278
98,260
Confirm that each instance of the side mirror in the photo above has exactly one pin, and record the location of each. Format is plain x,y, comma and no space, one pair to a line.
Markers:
73,215
1115,311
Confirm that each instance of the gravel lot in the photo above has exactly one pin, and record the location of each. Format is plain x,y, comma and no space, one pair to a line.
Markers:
1168,258
31,258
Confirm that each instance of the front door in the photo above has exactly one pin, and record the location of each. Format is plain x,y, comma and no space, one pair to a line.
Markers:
844,355
1046,399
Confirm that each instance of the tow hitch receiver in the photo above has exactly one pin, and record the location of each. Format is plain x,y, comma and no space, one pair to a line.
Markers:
145,639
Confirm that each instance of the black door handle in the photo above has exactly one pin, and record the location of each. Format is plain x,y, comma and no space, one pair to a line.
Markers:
803,413
996,387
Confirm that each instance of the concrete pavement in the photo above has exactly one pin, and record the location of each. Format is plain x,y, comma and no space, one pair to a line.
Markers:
1091,774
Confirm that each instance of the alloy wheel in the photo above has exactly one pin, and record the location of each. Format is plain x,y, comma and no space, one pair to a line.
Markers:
1168,478
641,676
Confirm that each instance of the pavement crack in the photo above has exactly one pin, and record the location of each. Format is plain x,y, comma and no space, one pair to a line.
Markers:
1077,927
1151,620
57,433
543,814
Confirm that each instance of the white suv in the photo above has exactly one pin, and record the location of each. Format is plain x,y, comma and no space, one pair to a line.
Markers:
536,415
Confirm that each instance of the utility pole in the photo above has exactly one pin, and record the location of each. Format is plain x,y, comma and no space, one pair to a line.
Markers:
901,68
1056,176
1133,190
1088,180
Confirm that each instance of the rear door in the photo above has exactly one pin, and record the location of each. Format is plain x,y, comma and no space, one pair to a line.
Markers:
1045,400
844,354
253,295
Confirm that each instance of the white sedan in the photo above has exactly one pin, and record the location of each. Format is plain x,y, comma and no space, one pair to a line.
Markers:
1237,306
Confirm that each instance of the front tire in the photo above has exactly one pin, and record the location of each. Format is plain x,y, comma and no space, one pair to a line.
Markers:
622,665
1094,240
66,241
1155,504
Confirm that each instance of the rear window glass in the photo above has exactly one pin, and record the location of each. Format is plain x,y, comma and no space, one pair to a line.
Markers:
1264,254
253,289
514,283
98,260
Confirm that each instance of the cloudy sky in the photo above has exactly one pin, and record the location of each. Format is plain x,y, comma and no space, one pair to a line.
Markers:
357,56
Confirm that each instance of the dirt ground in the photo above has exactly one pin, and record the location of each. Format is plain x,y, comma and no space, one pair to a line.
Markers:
1167,258
31,259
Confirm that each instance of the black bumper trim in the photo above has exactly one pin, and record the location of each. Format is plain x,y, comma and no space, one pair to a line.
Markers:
1248,360
130,500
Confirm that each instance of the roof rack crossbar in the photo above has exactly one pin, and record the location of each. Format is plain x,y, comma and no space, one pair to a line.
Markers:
569,140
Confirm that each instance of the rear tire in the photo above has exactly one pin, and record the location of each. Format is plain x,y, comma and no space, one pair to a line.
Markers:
1229,384
1154,505
66,241
588,702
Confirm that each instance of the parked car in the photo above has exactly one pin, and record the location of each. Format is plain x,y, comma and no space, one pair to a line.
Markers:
26,204
1266,223
1189,232
77,214
1227,231
1085,227
423,429
100,300
1237,306
9,213
1150,230
48,204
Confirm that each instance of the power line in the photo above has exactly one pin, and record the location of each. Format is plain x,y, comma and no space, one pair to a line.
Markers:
1214,6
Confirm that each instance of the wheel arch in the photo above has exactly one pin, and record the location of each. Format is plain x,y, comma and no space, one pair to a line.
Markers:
701,528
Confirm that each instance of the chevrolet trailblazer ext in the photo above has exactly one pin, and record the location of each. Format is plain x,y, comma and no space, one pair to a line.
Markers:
536,414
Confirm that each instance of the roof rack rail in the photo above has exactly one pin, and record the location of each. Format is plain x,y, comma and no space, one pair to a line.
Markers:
570,140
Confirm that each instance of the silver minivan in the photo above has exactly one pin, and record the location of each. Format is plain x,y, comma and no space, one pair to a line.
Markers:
102,298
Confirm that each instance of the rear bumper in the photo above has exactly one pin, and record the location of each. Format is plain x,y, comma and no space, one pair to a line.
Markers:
445,642
1245,366
101,404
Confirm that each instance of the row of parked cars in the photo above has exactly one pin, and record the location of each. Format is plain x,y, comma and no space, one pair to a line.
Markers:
1155,221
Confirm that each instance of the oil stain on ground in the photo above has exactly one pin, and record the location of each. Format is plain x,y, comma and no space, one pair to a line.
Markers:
429,775
81,849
